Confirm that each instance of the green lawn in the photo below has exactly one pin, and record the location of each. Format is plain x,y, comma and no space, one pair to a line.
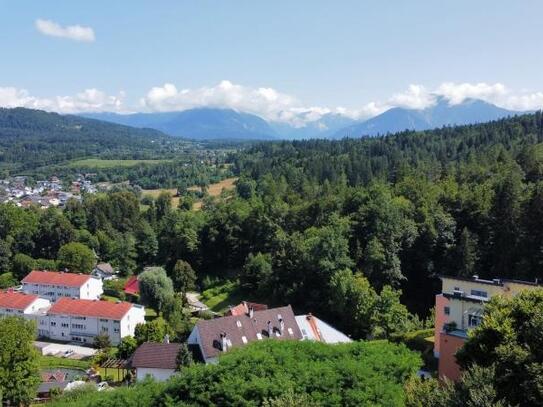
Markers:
53,361
219,297
104,164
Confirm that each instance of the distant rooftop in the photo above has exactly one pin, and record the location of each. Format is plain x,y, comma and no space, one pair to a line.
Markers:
56,278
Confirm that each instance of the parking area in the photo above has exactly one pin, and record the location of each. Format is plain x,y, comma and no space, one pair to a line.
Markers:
66,350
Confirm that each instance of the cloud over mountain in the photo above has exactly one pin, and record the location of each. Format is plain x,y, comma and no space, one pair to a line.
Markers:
268,103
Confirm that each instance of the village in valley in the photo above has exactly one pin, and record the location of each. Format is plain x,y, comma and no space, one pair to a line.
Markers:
45,193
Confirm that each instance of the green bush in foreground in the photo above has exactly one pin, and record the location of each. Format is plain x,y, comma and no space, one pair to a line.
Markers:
357,374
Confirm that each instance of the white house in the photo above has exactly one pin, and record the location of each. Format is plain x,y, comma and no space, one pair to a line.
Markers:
13,303
158,360
71,319
54,285
104,271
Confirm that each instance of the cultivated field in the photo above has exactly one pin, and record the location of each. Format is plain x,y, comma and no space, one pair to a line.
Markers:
104,164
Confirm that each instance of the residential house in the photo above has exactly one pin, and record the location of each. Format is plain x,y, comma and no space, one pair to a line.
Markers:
104,271
53,285
157,360
219,335
460,308
77,320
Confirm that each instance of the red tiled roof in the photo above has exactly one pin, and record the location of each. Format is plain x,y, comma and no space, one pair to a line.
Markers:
56,278
132,285
16,300
243,308
157,355
90,308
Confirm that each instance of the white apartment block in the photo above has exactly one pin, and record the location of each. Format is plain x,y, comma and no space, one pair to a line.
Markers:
54,285
74,320
13,303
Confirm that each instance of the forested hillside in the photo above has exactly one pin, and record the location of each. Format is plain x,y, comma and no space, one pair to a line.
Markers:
459,200
335,228
33,138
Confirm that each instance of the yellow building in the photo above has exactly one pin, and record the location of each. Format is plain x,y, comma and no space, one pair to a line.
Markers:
459,308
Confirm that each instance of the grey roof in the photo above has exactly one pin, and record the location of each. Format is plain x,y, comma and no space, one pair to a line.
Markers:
239,327
156,355
105,268
45,387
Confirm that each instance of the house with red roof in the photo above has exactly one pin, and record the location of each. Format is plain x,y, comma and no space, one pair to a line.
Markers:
14,303
77,320
53,285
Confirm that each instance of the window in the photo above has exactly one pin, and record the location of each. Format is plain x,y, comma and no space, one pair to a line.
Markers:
104,320
474,320
105,329
479,293
447,310
116,330
244,339
53,323
64,325
78,326
238,323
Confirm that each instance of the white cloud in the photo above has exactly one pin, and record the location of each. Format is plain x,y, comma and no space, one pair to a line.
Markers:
90,100
457,93
265,102
72,32
269,103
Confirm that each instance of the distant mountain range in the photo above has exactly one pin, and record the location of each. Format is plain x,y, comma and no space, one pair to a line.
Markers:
441,114
199,124
213,123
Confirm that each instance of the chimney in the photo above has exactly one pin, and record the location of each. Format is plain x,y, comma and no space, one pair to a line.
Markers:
166,338
224,342
270,329
281,325
251,312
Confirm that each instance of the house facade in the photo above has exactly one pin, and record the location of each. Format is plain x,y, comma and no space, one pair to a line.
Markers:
13,303
460,308
104,271
53,285
77,320
74,320
157,360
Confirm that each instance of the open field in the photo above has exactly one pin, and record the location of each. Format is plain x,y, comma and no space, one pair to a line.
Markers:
104,164
216,189
213,190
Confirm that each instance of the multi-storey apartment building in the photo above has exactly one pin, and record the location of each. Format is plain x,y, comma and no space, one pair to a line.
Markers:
54,285
459,308
71,319
74,320
13,303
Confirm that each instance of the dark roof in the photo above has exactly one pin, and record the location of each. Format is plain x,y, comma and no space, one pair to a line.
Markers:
496,281
45,387
105,268
237,327
156,355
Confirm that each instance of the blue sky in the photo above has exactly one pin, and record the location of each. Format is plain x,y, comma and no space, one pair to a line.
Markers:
353,57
